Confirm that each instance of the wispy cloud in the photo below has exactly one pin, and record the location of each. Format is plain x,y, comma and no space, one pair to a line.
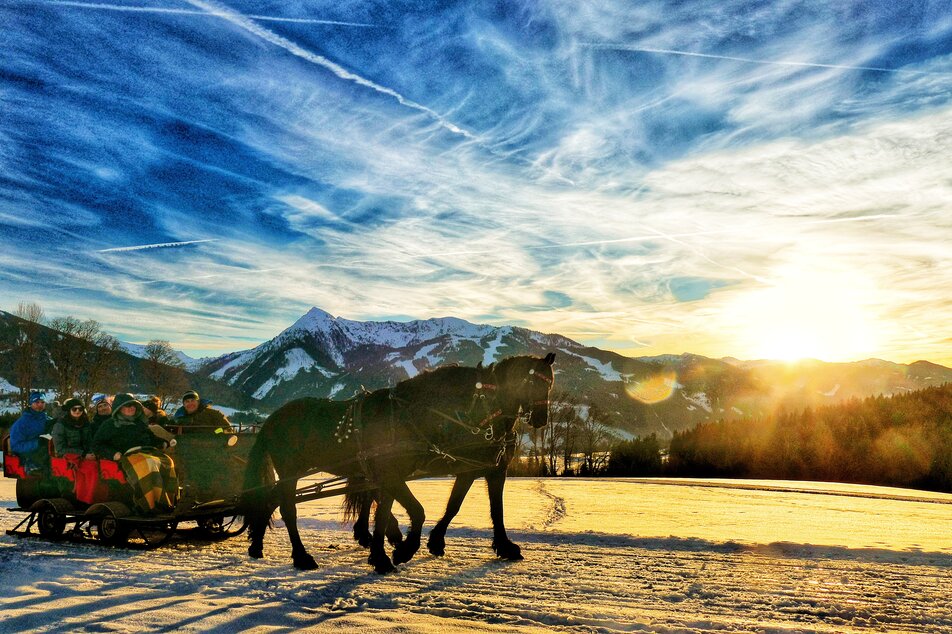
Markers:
244,22
748,60
161,245
461,161
128,8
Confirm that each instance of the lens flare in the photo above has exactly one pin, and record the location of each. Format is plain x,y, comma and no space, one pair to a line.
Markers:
653,389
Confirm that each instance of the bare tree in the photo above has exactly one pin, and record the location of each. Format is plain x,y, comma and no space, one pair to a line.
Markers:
164,369
559,441
103,367
27,350
75,350
593,439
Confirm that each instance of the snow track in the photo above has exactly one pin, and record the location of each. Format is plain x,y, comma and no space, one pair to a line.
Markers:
590,569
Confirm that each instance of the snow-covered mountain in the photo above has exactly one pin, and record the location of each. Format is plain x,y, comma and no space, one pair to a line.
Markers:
326,356
138,350
330,356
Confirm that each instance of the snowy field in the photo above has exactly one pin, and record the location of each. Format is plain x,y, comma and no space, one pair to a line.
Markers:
603,555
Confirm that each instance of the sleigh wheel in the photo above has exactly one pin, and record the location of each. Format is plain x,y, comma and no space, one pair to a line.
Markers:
106,520
50,522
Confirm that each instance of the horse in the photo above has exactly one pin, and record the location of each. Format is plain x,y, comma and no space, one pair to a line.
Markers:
449,421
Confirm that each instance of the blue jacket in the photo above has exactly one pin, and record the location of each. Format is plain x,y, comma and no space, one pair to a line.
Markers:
25,433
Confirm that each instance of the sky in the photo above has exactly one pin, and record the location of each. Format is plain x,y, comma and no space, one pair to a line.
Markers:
748,179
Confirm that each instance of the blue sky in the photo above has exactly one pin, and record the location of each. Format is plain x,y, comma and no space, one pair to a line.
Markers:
736,178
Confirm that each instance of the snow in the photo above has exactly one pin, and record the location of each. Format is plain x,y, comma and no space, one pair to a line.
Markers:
604,369
492,348
424,353
296,360
700,399
409,368
241,358
138,350
602,555
832,392
392,334
7,388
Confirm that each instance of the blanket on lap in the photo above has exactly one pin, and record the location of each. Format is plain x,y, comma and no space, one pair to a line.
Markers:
151,474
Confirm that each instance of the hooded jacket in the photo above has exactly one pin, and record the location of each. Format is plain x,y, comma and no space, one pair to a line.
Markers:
121,433
72,435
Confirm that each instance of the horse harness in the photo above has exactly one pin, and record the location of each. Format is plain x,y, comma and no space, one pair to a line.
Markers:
351,424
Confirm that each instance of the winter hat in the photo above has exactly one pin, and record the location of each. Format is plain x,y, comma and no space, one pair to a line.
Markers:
123,399
190,394
150,405
37,396
71,403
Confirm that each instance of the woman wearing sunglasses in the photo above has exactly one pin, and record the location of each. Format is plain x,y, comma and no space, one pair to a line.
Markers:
71,433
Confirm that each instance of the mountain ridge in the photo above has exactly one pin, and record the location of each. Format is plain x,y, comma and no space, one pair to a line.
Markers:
326,356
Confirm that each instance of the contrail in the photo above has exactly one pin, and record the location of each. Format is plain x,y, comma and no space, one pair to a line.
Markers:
161,245
244,22
170,10
769,62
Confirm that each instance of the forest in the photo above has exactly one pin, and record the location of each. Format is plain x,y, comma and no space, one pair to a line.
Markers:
903,440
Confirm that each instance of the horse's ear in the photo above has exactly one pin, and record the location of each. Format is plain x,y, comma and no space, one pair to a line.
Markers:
479,366
549,358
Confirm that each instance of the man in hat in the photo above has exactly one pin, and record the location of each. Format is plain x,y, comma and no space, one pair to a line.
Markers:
102,408
198,415
25,434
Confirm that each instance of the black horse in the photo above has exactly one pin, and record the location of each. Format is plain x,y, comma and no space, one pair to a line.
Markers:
451,421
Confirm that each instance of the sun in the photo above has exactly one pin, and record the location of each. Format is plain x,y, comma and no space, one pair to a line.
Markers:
809,315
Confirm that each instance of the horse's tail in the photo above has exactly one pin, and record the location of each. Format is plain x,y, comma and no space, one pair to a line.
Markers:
354,502
256,503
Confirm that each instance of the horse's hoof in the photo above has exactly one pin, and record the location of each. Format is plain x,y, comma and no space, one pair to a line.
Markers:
305,562
405,551
382,565
508,551
363,540
436,545
255,552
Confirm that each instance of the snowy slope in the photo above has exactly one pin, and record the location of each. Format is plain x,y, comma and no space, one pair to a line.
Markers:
601,556
138,350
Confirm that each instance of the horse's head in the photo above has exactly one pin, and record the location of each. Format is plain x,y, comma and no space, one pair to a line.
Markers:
523,384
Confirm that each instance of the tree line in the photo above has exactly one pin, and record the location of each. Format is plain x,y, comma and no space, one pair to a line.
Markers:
76,357
903,440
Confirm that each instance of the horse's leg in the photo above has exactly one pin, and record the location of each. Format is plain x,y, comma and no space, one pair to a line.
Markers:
287,489
378,556
404,551
436,543
362,527
256,531
257,527
495,482
362,524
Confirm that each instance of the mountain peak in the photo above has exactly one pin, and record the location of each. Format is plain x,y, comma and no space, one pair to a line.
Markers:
314,319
